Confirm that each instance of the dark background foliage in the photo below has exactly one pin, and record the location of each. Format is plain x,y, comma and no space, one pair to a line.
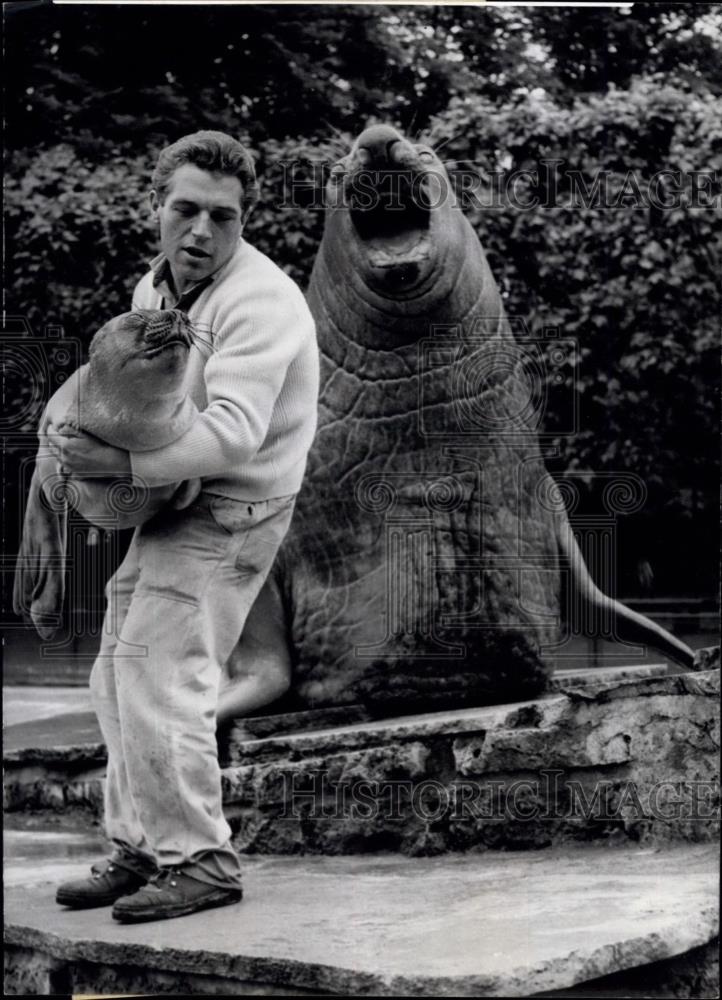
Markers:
93,93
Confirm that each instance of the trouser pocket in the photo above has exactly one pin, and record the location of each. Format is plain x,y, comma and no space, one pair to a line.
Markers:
262,525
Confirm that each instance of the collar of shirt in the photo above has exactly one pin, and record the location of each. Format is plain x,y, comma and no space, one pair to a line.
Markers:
163,281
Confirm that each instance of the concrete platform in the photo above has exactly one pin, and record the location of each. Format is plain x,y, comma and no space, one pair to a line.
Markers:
508,924
41,737
23,702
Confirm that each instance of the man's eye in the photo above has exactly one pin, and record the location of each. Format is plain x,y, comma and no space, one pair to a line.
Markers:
217,217
184,210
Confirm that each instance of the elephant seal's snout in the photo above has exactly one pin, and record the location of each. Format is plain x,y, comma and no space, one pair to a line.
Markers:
381,147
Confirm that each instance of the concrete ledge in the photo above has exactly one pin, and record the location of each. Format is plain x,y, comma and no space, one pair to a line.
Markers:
466,925
694,974
634,758
75,737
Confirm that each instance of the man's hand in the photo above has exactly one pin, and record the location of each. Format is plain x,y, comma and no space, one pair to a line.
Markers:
82,455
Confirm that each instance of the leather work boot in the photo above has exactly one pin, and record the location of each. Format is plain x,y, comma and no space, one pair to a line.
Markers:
110,880
170,893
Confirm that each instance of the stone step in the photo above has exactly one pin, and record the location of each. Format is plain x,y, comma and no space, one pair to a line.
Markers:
508,924
589,677
49,738
634,758
76,735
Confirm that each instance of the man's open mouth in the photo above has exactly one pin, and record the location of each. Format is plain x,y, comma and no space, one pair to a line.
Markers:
391,215
196,252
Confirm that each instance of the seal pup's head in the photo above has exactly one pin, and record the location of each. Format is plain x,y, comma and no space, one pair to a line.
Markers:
149,345
133,392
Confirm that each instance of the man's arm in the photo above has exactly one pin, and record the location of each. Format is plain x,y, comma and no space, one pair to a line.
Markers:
80,454
255,343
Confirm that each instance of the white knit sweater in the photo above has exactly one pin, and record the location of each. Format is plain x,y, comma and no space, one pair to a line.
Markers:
253,372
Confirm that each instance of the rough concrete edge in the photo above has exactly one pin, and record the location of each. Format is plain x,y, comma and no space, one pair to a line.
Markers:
251,968
558,973
589,677
470,720
63,753
705,683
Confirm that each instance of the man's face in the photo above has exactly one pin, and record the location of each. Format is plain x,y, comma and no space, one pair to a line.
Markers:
200,222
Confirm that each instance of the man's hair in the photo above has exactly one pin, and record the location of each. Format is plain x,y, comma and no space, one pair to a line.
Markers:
215,152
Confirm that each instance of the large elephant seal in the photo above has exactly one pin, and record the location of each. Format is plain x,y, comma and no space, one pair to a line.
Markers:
424,563
130,394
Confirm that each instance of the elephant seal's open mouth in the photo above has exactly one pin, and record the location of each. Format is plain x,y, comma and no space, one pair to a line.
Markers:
391,190
395,228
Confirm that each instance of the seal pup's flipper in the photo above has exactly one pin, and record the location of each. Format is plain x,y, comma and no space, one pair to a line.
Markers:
621,623
39,586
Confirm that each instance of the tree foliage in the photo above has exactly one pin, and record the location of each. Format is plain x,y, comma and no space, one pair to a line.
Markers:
102,74
93,92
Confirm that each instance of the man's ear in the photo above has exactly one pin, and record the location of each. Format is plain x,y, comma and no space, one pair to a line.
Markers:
154,203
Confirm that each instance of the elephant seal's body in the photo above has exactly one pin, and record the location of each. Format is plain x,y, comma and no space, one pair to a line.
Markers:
424,562
130,394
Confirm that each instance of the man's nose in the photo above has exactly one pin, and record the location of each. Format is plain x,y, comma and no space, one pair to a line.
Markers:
202,226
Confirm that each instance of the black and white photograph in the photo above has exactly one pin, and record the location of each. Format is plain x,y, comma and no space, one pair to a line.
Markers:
361,495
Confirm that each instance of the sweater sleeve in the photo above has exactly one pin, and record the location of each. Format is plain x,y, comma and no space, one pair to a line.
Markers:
255,341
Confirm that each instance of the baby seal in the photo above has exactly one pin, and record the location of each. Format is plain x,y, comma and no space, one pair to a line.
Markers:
130,395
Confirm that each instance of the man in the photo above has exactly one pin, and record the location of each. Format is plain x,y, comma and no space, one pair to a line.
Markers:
178,603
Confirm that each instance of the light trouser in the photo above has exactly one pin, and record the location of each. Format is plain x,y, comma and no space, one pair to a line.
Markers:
176,608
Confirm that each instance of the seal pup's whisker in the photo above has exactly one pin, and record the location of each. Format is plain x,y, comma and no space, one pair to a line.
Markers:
202,335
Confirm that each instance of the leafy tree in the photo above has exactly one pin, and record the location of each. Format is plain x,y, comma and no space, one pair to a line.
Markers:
82,74
592,48
93,92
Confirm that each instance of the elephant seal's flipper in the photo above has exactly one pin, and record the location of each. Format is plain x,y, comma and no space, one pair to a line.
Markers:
261,661
39,587
623,624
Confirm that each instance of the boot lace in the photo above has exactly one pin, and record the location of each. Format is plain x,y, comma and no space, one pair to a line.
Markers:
163,878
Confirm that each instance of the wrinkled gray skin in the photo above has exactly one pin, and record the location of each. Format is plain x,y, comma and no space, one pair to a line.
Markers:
424,562
129,395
